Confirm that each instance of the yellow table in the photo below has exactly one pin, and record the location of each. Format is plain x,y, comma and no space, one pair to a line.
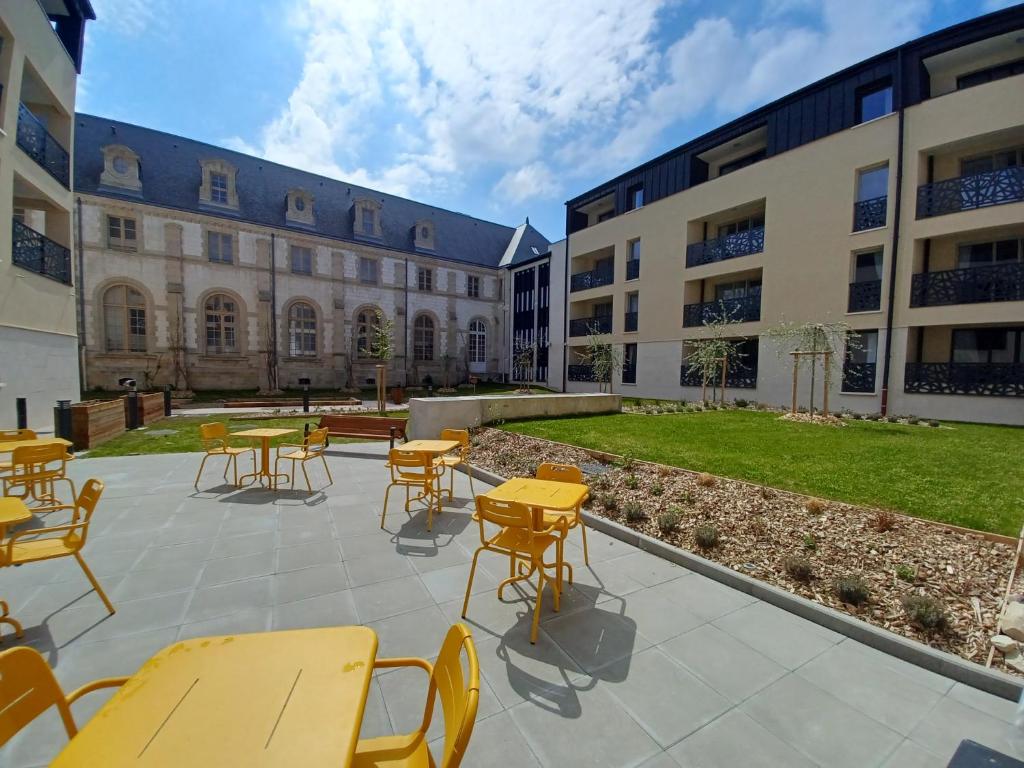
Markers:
266,699
7,446
264,435
433,447
12,512
541,495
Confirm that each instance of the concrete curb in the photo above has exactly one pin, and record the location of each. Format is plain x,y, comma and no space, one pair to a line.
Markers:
945,664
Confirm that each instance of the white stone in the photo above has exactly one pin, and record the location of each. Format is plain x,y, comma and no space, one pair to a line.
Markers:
1012,622
1004,643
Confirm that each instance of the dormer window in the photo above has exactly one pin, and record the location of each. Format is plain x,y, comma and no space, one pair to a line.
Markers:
299,207
366,218
120,169
423,235
367,224
218,187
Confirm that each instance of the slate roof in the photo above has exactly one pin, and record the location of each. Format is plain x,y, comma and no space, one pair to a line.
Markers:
526,244
171,176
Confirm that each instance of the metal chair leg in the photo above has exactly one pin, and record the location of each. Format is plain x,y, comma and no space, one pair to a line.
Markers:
586,554
200,472
384,511
327,469
469,584
536,608
308,484
95,584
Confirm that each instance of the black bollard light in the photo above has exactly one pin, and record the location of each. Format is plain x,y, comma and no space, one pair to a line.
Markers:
394,433
167,400
21,409
62,421
133,409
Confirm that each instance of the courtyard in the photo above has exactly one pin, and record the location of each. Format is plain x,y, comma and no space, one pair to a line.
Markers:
645,664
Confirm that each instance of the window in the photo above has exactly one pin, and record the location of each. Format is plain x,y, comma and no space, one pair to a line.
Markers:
605,215
424,279
301,330
366,326
737,290
473,286
987,345
629,363
124,319
477,342
219,187
219,247
121,233
423,339
366,221
300,203
367,270
872,183
997,161
862,347
742,162
120,164
981,254
998,72
632,311
635,197
221,320
633,247
742,225
867,267
874,101
19,215
302,260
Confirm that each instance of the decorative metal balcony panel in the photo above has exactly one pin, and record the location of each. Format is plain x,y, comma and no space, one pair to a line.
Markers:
595,278
973,285
35,252
741,310
38,144
584,326
996,379
736,377
633,269
727,247
966,193
869,214
581,373
632,319
859,377
865,296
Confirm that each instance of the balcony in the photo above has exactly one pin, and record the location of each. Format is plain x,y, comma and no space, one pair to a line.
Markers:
995,379
38,144
966,193
585,326
633,269
973,285
859,377
727,247
632,320
581,373
869,214
737,377
595,278
865,296
37,253
742,310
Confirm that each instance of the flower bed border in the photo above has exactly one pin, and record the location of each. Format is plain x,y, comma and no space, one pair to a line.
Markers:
946,664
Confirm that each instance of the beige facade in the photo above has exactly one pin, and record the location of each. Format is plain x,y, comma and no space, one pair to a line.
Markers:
807,199
38,335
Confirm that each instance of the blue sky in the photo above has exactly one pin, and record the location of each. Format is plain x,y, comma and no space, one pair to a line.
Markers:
499,109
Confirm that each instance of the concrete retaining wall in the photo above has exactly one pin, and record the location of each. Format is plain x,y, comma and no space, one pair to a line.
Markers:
429,415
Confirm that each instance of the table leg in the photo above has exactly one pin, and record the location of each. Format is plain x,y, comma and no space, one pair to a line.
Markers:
5,618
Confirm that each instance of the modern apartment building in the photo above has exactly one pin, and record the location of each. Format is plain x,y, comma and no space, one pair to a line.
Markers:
40,58
889,196
210,269
536,292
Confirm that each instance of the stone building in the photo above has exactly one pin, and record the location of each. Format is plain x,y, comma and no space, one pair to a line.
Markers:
178,238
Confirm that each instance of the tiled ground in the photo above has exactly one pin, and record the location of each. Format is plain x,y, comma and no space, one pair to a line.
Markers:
646,664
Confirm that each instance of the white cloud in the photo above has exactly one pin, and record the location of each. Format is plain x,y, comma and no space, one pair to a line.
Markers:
127,17
535,180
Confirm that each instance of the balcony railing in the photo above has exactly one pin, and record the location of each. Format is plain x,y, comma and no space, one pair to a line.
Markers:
1000,379
973,285
595,278
865,296
632,319
41,146
584,326
869,214
859,377
633,269
966,193
726,247
581,373
742,310
736,376
38,253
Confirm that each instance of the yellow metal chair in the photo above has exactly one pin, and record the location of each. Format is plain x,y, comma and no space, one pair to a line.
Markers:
414,469
522,544
312,447
215,442
30,688
9,435
459,699
451,460
35,469
565,473
37,544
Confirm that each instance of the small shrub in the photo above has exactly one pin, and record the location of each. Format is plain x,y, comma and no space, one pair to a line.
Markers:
851,589
801,409
633,511
925,612
798,568
873,417
667,521
767,493
664,470
884,520
627,462
704,480
741,403
906,572
631,482
706,536
913,420
657,489
810,543
610,502
814,506
686,497
932,423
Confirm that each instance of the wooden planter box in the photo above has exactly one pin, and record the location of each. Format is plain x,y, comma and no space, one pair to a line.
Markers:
96,422
151,408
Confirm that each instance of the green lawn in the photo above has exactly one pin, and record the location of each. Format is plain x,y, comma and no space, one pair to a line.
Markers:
186,434
965,474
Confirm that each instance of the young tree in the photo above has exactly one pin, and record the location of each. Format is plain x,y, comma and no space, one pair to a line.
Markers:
604,358
523,355
382,347
714,353
814,344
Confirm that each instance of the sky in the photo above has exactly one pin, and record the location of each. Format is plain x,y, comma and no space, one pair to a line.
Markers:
502,110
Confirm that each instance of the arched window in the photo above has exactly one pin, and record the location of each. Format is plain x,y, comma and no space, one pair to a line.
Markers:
221,320
366,326
301,329
423,338
477,342
124,319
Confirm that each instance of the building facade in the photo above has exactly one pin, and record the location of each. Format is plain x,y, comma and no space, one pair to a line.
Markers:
537,307
178,239
889,197
40,57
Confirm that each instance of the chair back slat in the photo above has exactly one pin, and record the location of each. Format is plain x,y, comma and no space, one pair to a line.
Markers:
562,473
86,503
406,463
317,440
459,696
27,689
36,455
507,514
17,434
213,435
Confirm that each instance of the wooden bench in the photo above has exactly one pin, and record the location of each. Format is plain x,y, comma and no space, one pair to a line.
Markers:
374,427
